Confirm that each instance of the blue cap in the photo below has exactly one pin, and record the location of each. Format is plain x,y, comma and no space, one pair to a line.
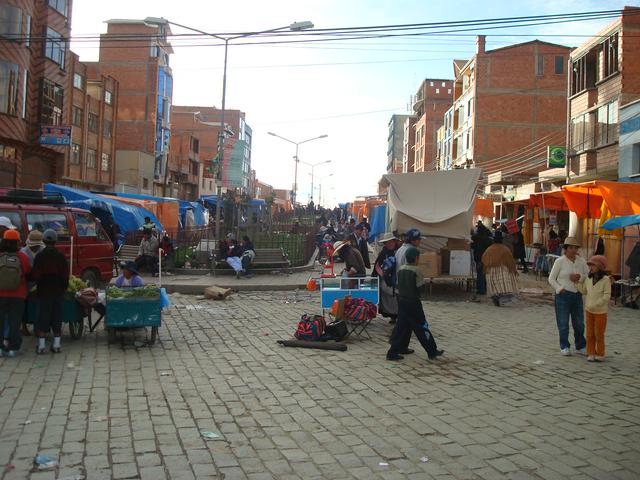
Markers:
413,234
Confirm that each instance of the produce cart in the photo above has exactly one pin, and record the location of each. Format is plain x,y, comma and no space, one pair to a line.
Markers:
73,314
131,308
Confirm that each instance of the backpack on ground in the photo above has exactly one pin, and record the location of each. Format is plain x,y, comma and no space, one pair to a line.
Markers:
310,327
10,271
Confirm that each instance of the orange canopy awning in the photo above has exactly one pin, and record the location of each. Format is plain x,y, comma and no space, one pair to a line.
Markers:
585,199
484,207
548,200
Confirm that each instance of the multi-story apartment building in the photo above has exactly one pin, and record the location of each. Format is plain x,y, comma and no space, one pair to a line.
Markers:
395,143
33,90
445,142
235,167
89,161
136,53
432,100
263,190
184,165
408,145
604,77
509,105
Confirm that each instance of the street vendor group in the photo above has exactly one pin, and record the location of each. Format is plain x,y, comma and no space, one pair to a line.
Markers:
582,288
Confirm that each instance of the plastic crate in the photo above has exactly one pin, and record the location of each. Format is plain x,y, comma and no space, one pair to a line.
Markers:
133,312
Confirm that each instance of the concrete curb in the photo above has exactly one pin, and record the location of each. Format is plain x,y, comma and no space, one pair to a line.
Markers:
236,287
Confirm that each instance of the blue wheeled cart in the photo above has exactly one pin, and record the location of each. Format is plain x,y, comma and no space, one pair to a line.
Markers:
72,314
338,288
127,313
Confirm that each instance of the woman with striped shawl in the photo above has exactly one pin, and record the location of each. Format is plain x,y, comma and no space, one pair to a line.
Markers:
500,270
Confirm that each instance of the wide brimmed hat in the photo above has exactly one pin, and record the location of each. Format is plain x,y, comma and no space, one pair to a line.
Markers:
571,242
131,266
599,261
386,237
339,245
35,239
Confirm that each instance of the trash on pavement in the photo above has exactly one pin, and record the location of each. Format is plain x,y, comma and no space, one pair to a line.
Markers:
383,464
165,374
210,435
539,362
26,422
37,365
43,462
424,459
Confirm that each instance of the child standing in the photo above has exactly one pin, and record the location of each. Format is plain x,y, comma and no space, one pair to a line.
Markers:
411,316
597,290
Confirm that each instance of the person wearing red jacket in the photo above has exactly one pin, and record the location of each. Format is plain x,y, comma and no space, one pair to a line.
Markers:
12,301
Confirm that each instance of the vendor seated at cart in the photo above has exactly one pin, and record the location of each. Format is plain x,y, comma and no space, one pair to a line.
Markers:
148,252
129,276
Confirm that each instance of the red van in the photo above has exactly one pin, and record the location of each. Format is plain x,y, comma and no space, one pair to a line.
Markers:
92,248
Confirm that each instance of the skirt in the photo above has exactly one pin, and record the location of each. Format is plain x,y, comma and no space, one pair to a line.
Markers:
388,301
500,281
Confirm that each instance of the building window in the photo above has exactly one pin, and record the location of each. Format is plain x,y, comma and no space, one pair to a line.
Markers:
539,65
469,107
607,124
449,91
559,70
431,84
93,122
78,81
59,5
9,80
10,22
52,99
27,31
635,159
106,129
77,114
584,73
581,132
107,97
145,183
25,90
91,158
54,46
75,154
610,55
105,164
437,90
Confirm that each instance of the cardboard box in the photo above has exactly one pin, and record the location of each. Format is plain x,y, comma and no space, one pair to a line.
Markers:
444,261
457,244
429,263
460,262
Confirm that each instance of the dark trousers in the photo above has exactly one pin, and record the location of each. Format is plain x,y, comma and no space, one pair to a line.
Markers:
569,306
50,315
147,261
481,280
411,318
246,264
11,310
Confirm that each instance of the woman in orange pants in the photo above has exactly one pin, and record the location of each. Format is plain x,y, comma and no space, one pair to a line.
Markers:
597,290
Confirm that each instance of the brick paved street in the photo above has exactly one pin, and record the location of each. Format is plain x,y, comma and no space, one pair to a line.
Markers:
501,404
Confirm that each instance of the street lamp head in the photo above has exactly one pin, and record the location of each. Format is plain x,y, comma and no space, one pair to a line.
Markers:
156,20
272,134
297,26
323,136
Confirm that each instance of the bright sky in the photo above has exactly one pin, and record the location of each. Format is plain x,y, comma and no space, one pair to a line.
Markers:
347,90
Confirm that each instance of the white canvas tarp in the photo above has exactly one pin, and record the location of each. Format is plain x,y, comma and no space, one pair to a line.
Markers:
439,204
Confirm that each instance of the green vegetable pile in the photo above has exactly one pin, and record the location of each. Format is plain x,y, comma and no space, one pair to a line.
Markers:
75,284
148,291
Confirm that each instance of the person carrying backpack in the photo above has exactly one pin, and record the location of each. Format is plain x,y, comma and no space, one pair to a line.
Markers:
51,274
14,267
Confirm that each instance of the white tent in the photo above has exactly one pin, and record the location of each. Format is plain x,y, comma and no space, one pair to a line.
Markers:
440,204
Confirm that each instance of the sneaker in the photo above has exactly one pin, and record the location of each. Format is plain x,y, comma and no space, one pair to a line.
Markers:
591,358
565,351
55,349
437,354
408,351
581,351
10,354
41,351
394,357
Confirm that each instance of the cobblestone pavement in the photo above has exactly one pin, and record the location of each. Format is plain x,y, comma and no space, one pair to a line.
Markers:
502,403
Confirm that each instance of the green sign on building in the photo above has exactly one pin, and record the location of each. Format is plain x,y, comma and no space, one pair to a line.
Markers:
556,157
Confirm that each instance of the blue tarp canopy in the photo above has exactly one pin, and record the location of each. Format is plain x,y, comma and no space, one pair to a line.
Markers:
198,209
211,200
378,222
128,217
620,222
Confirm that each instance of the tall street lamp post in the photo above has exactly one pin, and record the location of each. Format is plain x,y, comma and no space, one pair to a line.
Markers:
320,188
295,27
297,160
313,166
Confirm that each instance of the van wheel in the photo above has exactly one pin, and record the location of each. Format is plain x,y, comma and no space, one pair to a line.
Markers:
90,277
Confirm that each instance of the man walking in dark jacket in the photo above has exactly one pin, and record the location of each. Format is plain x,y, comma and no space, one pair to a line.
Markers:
359,241
480,241
51,274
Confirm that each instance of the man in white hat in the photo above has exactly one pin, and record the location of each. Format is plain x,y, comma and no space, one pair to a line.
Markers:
5,224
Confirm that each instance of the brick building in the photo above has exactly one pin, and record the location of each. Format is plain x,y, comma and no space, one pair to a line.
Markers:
605,76
184,165
509,105
89,162
395,143
136,53
33,89
432,100
236,162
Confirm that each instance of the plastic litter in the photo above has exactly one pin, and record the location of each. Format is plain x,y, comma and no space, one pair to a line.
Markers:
424,459
210,435
26,422
539,362
165,374
70,365
43,462
37,365
383,464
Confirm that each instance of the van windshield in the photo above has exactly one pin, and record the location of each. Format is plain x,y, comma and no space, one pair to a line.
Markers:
14,218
